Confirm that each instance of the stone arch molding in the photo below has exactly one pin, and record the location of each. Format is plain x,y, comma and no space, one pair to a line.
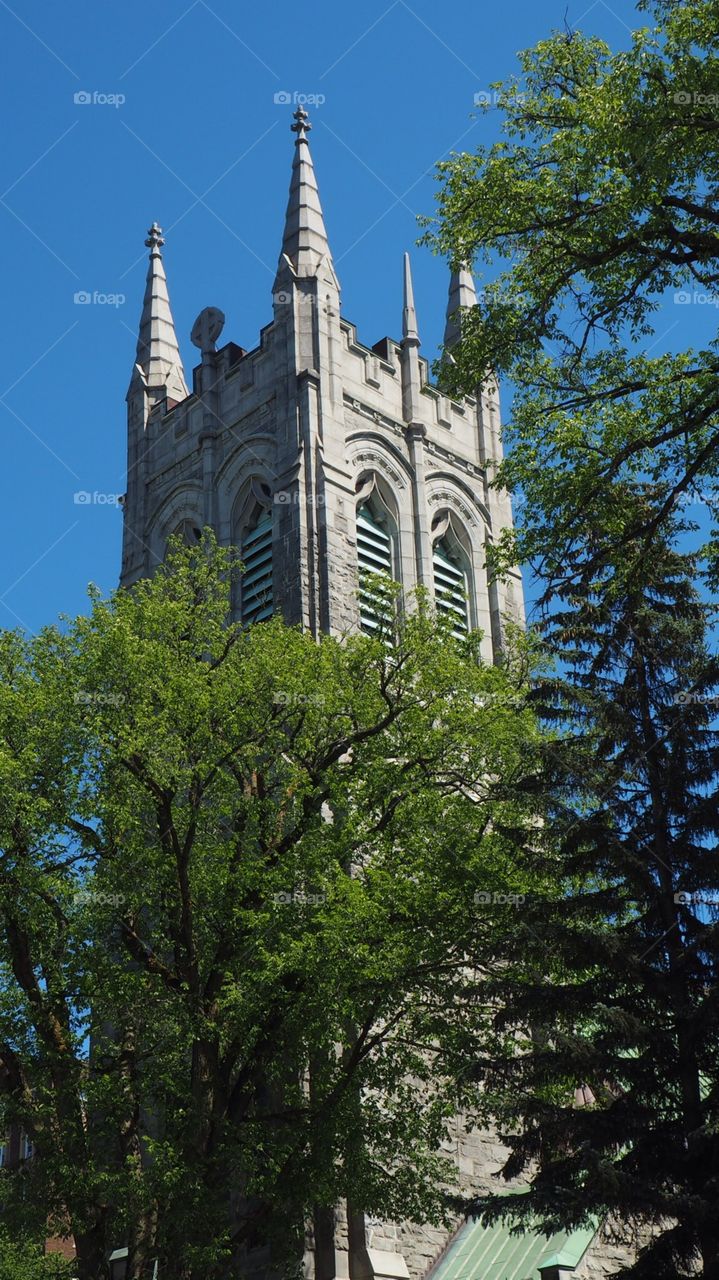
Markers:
186,502
255,493
446,523
372,485
366,457
382,476
459,517
449,504
445,492
252,460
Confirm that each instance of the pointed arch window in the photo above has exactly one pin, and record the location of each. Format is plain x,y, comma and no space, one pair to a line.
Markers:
256,588
451,574
376,558
189,532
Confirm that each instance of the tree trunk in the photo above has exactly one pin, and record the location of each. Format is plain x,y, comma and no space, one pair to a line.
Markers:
91,1254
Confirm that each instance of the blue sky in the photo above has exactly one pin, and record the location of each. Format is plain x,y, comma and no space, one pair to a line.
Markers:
200,144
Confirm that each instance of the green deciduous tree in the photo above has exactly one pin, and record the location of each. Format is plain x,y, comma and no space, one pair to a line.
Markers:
599,202
26,1261
240,864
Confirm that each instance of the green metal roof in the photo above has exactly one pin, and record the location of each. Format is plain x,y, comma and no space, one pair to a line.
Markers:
491,1253
564,1259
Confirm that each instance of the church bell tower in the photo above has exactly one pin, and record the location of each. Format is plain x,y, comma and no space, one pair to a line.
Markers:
322,459
317,456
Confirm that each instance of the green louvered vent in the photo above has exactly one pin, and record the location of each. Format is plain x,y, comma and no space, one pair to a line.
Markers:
256,583
374,556
450,588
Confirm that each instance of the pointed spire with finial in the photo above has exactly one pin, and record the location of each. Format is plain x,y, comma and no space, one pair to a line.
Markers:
462,294
158,354
304,243
409,313
409,348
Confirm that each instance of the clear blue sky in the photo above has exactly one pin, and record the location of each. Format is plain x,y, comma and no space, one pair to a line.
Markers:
200,145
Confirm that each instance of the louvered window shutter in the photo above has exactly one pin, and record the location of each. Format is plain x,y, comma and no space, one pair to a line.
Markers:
450,588
374,556
256,582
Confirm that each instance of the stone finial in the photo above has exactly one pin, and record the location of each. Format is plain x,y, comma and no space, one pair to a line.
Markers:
154,237
302,124
207,329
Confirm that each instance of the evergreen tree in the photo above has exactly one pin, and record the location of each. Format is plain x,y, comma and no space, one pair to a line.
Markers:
605,1068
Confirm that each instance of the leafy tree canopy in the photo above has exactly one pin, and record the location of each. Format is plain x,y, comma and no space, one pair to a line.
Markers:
598,203
241,864
24,1261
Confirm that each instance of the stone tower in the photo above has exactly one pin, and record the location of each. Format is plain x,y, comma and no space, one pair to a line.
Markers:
320,457
314,454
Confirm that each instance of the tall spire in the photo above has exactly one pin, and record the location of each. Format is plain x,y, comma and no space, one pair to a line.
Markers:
462,294
304,243
409,350
415,430
409,314
158,355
